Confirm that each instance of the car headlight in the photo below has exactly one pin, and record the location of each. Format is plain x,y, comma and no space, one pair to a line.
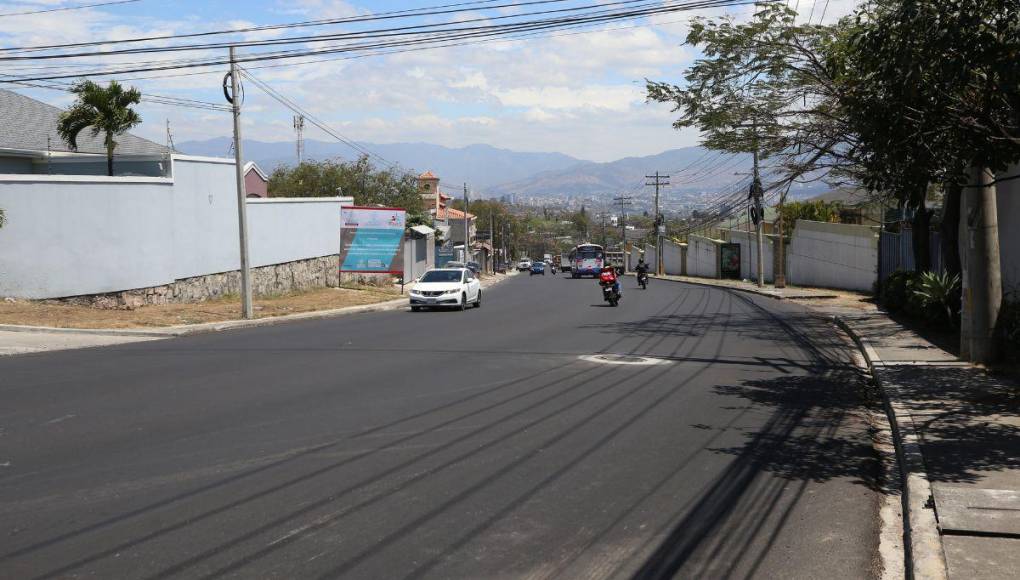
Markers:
454,291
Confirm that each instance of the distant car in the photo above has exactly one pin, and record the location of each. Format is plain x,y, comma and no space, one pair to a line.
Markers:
538,268
474,267
524,265
446,288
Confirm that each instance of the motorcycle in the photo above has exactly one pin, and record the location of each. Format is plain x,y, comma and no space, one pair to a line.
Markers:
642,280
610,293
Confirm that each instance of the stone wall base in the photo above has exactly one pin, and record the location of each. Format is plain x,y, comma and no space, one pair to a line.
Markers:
366,279
266,281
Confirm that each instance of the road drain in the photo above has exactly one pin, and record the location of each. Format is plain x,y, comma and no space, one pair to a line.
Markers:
623,359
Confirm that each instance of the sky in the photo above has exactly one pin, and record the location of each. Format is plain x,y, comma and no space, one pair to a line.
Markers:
581,94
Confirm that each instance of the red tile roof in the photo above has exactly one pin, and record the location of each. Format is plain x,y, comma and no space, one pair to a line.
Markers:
451,213
427,175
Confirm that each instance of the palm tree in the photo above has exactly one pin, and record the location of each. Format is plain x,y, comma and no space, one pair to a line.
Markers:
104,110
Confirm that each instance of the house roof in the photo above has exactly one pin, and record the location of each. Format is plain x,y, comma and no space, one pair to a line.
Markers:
445,213
26,123
252,165
428,175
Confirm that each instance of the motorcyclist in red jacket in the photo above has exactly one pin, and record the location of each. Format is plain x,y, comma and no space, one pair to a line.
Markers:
608,276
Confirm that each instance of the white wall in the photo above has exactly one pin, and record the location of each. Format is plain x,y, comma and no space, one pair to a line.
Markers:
205,239
834,255
74,235
673,258
702,257
288,229
67,236
749,254
651,258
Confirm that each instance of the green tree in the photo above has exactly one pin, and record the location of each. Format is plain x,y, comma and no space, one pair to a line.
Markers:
817,210
104,110
361,179
764,85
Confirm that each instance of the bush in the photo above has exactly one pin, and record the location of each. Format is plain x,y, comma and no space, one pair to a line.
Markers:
935,296
895,290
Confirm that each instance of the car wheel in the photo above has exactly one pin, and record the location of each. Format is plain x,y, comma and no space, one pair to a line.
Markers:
463,302
478,301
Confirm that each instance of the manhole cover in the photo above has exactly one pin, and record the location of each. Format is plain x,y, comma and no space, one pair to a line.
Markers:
623,359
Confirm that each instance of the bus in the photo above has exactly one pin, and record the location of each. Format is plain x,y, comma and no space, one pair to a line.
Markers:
586,259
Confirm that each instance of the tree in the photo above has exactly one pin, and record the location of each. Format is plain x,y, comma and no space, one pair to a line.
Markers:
764,86
368,184
933,90
104,110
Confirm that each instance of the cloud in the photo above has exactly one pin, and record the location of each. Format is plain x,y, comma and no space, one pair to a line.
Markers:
578,93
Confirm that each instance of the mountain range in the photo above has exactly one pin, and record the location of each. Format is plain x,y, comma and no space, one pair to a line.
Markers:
492,171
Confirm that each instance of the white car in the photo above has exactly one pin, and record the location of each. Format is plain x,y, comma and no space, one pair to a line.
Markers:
524,265
446,288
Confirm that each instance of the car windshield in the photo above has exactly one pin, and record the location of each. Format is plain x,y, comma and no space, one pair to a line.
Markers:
589,254
441,276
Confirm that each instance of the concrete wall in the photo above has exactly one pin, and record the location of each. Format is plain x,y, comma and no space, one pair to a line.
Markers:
833,255
76,235
749,254
651,258
81,235
702,257
674,257
288,229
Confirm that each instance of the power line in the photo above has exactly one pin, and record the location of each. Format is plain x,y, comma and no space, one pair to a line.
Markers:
313,119
66,8
486,32
371,33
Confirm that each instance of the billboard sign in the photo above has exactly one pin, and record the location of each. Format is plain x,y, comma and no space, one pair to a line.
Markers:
372,239
729,261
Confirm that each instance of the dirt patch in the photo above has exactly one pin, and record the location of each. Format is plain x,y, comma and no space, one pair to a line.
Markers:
47,313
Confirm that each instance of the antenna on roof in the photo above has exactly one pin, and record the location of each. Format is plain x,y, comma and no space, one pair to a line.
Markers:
169,137
299,128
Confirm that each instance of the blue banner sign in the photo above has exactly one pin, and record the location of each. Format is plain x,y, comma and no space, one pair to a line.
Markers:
372,239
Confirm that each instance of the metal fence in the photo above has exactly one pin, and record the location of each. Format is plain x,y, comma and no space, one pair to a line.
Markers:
896,252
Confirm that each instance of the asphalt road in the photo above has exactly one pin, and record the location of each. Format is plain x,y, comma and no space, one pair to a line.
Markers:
471,444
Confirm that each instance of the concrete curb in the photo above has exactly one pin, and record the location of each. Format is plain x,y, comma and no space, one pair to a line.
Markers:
190,329
925,555
767,293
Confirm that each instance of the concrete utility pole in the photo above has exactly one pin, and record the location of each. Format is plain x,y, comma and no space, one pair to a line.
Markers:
242,209
467,232
982,296
759,217
492,243
659,180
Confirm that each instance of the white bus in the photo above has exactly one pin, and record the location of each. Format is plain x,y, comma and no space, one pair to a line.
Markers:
586,260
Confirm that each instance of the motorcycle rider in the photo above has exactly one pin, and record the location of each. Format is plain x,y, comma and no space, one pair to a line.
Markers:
608,276
642,268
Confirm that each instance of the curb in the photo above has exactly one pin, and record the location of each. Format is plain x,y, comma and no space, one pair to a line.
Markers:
925,555
208,327
767,293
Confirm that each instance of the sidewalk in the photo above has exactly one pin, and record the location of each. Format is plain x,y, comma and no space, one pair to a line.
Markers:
958,431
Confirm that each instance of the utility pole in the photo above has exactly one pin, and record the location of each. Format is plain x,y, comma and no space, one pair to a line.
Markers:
982,290
660,228
299,128
758,216
467,232
242,213
492,243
